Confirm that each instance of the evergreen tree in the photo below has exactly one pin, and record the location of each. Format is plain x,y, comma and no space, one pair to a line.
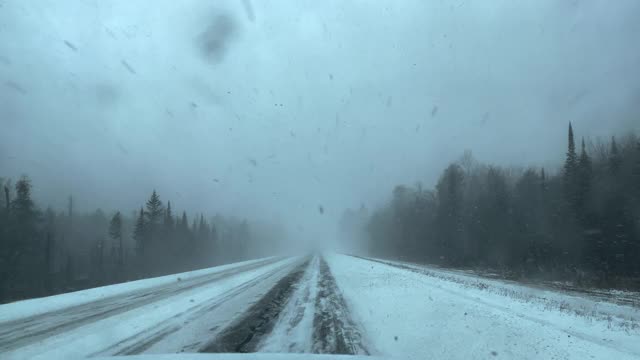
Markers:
115,231
184,224
139,234
48,266
154,219
571,170
584,181
635,180
203,232
69,274
169,222
154,210
5,249
449,220
98,265
614,157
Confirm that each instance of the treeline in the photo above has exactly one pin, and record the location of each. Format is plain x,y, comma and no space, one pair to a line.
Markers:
581,224
44,252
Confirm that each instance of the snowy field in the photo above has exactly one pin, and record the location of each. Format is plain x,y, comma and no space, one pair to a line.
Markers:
329,304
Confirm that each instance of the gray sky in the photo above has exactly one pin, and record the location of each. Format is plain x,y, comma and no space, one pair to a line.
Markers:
269,108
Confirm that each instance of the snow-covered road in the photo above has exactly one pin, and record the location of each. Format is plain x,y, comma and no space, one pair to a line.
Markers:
332,303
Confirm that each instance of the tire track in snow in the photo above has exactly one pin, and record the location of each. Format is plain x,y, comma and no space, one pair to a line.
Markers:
22,332
245,334
313,318
334,331
145,339
293,330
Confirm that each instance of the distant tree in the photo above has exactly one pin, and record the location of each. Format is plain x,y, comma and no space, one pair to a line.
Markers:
24,216
48,275
154,210
585,173
25,243
7,200
169,222
571,170
203,232
449,216
153,230
529,220
614,157
70,209
184,224
635,179
495,210
98,265
5,249
115,232
139,233
69,273
194,226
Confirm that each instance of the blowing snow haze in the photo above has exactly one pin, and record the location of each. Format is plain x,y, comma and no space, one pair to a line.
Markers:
294,111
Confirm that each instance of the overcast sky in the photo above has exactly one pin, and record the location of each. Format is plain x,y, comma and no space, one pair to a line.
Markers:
271,108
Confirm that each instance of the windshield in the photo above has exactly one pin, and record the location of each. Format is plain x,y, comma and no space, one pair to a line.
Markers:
405,179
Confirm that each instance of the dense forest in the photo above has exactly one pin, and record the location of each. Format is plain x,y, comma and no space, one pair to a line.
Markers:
581,223
44,252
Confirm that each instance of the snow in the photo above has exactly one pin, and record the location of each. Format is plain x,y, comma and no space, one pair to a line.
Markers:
21,309
415,315
254,356
194,315
391,310
294,328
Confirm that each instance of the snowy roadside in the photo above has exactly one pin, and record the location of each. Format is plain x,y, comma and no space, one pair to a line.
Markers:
411,314
31,307
620,297
599,308
170,325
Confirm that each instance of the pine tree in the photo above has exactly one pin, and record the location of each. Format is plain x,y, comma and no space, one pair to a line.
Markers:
614,157
154,218
168,217
184,224
48,264
203,230
154,210
7,201
449,214
139,233
584,180
115,231
571,170
635,173
23,218
169,222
